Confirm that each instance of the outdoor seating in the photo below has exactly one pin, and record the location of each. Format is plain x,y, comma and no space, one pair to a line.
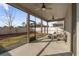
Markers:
59,36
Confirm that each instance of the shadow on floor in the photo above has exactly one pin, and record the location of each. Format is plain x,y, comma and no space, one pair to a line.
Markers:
37,41
42,40
5,54
44,48
61,54
3,51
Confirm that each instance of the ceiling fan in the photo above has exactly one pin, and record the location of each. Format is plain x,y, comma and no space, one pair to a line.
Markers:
43,7
53,17
58,19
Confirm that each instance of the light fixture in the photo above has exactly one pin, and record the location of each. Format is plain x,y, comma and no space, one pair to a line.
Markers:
43,7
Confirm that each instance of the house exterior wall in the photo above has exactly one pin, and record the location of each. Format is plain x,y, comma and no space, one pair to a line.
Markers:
77,29
68,26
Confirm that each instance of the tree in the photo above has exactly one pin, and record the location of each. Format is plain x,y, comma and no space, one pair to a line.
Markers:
9,18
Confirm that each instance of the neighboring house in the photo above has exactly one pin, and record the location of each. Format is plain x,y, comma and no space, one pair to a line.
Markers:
5,30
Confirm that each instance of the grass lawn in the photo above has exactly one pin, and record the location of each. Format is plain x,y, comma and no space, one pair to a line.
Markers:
12,40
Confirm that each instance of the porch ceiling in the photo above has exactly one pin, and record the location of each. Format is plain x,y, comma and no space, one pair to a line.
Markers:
59,10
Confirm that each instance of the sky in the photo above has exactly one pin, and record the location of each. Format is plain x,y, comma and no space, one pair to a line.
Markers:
20,16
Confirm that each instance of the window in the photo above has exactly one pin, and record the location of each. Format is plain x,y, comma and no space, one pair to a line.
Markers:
12,27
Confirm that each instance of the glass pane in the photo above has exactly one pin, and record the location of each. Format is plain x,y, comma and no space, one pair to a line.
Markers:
12,27
32,17
44,27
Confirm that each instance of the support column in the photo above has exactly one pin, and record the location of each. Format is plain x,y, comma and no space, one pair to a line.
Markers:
73,36
28,28
41,26
44,29
47,27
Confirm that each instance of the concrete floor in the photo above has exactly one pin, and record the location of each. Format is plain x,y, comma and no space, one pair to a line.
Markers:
41,47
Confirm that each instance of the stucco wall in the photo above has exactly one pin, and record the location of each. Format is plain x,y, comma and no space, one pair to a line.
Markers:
77,30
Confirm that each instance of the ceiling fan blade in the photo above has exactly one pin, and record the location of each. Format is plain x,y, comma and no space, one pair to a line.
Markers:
49,8
37,8
59,19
